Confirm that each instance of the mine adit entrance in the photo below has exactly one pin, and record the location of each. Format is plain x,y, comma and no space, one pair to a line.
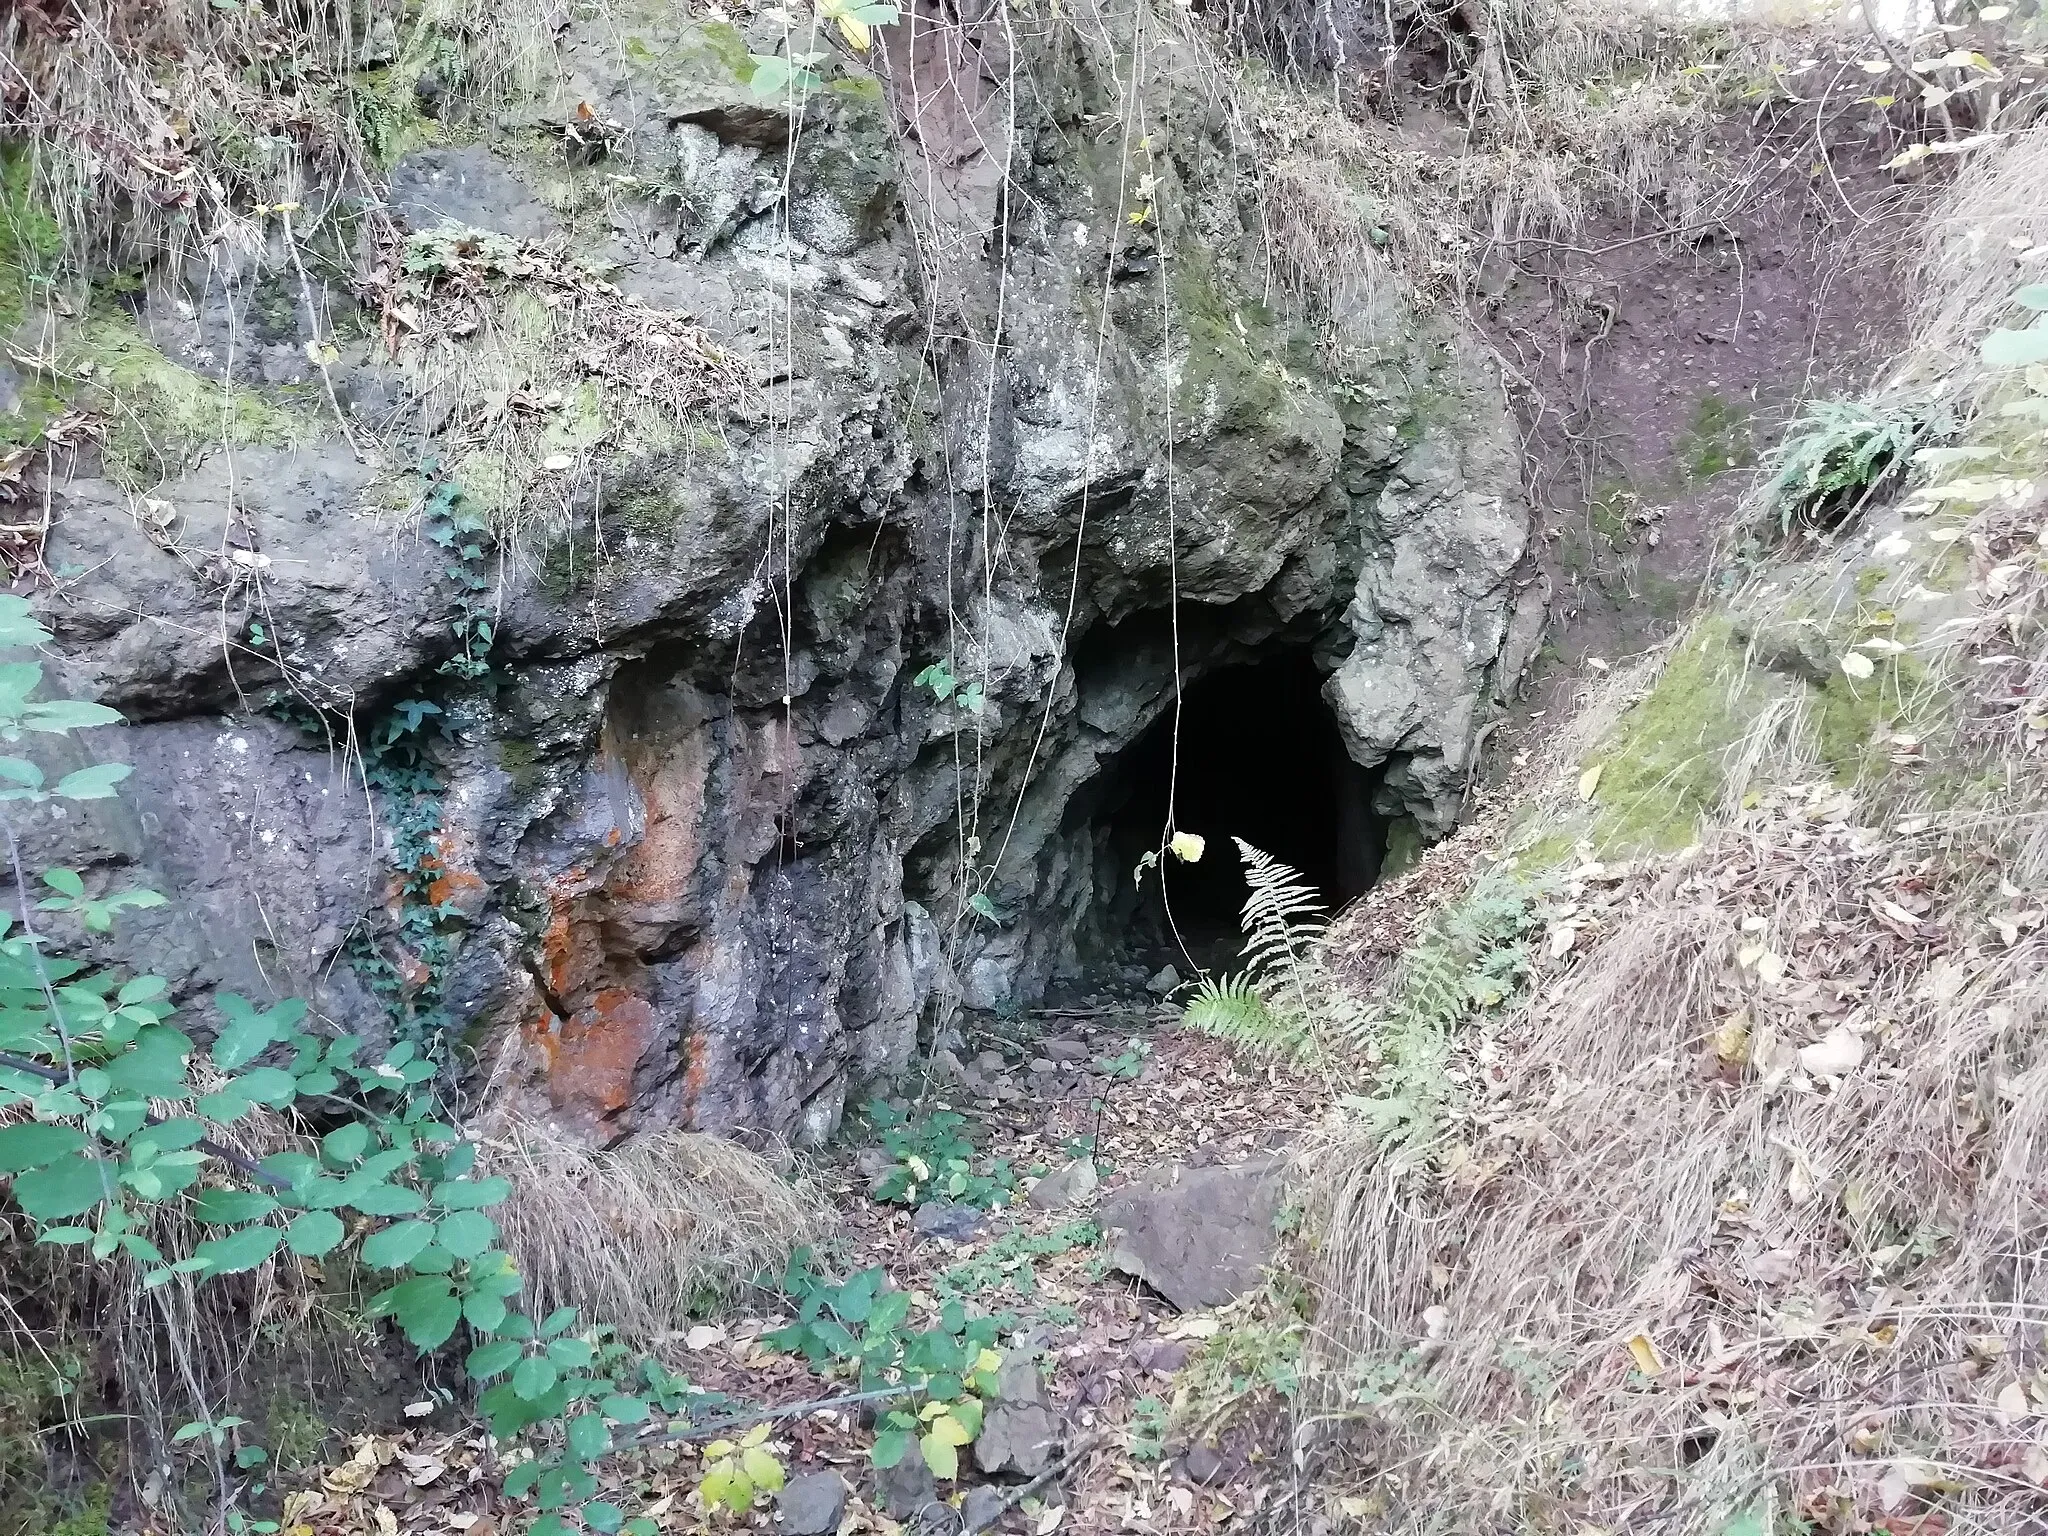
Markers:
1256,754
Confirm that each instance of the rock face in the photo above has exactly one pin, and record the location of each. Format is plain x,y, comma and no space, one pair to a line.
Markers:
1198,1236
800,696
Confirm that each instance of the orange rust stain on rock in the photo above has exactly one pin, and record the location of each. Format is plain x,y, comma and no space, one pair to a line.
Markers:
454,883
592,1057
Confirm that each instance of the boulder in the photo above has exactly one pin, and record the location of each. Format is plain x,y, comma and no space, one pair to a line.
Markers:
812,1504
904,1489
1066,1185
943,1218
1198,1236
1019,1430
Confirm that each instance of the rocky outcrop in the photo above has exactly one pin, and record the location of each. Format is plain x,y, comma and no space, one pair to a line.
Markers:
702,849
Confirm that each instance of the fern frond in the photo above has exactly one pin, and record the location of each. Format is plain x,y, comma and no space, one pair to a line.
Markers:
1231,1009
1282,920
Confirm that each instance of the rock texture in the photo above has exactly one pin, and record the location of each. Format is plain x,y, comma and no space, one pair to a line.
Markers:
1020,1432
1198,1236
705,851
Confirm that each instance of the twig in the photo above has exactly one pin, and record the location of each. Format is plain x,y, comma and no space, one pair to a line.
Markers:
1019,1494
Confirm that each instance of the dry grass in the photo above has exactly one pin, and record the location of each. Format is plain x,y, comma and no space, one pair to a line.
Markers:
1987,237
162,128
1748,1214
640,1234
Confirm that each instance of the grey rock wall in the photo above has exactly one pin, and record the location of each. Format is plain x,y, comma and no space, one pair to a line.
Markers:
701,852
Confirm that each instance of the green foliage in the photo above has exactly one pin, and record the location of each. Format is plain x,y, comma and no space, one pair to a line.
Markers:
1835,456
738,1473
1471,956
935,1160
952,1363
1007,1263
1280,1004
939,678
1149,1422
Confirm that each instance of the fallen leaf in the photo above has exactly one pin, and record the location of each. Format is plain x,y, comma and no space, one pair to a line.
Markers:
2012,1403
1050,1517
1589,781
561,461
1836,1054
1562,938
1648,1361
1858,665
703,1336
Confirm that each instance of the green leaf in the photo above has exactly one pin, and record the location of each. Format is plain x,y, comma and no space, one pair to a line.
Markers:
65,880
534,1377
346,1144
396,1246
891,1446
67,715
2016,349
571,1354
467,1234
232,1207
244,1036
558,1321
154,1066
624,1407
429,1317
486,1313
602,1517
70,1186
472,1195
17,623
388,1200
94,783
19,770
941,1456
314,1233
267,1085
493,1359
239,1251
224,1107
2033,296
32,1145
589,1438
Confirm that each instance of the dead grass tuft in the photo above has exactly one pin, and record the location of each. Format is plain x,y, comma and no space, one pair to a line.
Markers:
1744,1223
641,1234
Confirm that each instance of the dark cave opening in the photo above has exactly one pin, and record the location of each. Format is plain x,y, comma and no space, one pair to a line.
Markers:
1260,758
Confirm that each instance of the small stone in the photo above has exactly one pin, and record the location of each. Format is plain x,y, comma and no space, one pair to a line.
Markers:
1065,1050
812,1505
946,1067
1203,1463
1008,1092
942,1218
1064,1186
873,1162
1038,1066
990,1062
1161,1356
1163,982
982,1507
904,1489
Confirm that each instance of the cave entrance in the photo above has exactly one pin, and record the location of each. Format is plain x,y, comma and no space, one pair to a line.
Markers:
1260,758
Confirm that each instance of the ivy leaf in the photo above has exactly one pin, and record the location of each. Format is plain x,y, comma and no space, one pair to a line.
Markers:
245,1035
397,1245
588,1436
243,1250
314,1233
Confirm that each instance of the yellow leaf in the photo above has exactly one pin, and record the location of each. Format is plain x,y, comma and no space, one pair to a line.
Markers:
1187,847
988,1360
718,1448
855,32
1589,781
1731,1040
950,1430
1648,1361
762,1470
756,1435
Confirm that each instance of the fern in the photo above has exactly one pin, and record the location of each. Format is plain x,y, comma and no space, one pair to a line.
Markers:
1231,1009
1836,448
